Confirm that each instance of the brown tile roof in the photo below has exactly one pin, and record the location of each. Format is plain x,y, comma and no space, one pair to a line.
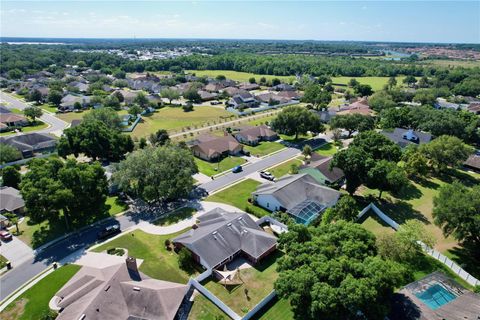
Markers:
253,133
212,145
473,161
11,117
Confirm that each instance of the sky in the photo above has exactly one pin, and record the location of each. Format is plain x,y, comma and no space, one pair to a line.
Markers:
409,21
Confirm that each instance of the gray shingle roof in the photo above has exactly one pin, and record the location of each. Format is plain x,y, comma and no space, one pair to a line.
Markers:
221,234
404,137
10,199
30,142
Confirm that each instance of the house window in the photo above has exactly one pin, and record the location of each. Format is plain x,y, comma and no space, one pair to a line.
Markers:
268,204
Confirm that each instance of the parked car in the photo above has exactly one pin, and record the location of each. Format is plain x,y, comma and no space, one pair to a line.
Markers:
214,103
109,231
237,169
267,175
5,235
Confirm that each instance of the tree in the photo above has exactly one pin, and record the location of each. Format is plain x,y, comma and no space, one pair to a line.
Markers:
8,153
35,96
135,110
111,102
381,100
415,163
377,146
252,80
159,138
119,96
263,80
11,177
316,96
307,151
276,82
392,82
456,209
424,97
107,116
187,107
55,97
185,259
445,151
220,77
192,95
409,80
363,90
355,163
295,120
170,94
141,100
332,272
386,176
352,122
13,218
33,113
157,174
346,209
353,83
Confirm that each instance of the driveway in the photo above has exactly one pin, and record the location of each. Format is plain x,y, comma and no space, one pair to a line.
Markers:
16,251
56,126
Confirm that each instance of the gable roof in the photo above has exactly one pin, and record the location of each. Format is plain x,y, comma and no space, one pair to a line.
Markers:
253,133
404,137
473,161
118,292
322,164
10,199
221,234
11,117
211,145
30,141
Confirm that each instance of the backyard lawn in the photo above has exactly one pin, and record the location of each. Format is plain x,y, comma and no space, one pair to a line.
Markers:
327,150
239,76
284,168
33,304
264,148
375,225
175,216
257,284
174,119
237,196
157,263
278,309
204,309
212,168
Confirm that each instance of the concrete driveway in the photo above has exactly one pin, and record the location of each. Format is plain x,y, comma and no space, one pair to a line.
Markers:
16,251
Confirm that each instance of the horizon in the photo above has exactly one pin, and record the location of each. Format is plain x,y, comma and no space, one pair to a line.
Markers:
387,21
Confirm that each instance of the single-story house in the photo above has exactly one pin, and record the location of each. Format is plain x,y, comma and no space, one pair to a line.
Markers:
128,96
220,236
31,143
13,119
473,162
268,97
248,86
300,195
212,148
360,106
253,135
319,169
118,291
243,98
442,103
4,109
326,115
214,87
80,86
207,96
231,91
11,200
474,107
404,137
283,87
69,101
290,95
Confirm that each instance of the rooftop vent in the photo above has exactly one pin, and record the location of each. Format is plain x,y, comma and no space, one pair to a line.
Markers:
214,232
107,287
229,224
82,317
240,218
136,289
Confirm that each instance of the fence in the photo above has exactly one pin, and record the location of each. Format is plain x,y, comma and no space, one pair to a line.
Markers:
260,109
260,305
273,222
23,161
133,125
431,252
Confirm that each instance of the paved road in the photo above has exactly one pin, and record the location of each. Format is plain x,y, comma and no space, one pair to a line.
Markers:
56,125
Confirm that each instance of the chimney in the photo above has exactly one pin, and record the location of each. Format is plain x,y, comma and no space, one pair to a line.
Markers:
132,264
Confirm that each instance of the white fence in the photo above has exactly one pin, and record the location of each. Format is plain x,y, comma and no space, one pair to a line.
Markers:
431,252
260,305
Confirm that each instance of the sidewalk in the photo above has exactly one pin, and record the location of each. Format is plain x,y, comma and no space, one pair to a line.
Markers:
16,251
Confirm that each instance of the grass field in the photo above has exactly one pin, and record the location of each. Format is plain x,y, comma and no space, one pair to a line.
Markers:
264,148
174,119
376,83
453,63
175,216
278,309
49,107
3,261
157,263
69,116
212,168
239,76
237,196
260,121
284,168
116,206
204,309
376,225
33,304
327,150
37,126
257,280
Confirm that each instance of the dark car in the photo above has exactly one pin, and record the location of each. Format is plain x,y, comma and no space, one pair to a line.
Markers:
237,169
214,103
267,175
109,231
5,235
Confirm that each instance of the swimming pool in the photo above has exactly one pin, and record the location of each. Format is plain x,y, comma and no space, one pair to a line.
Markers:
436,296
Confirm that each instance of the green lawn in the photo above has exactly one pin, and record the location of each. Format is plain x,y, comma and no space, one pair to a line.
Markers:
16,111
204,309
70,116
212,168
284,168
116,205
262,120
376,225
3,261
38,125
49,107
258,281
158,263
174,119
239,76
33,304
237,196
264,148
327,150
300,138
175,216
376,83
278,309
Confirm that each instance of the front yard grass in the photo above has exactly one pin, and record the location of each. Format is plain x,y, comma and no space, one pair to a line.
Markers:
175,216
284,168
264,148
212,168
257,284
237,196
49,107
38,125
158,262
174,119
327,150
70,116
33,304
204,309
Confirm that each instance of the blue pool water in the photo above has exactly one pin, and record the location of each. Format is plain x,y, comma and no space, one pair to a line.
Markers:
436,296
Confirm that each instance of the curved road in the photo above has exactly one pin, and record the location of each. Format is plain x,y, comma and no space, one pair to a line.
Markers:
56,126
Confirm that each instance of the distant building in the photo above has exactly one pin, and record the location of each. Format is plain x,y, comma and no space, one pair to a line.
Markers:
31,143
360,106
253,135
13,120
243,99
319,169
404,137
68,102
212,148
283,87
473,162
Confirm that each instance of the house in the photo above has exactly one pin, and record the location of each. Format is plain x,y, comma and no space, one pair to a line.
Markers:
283,87
326,115
271,98
231,91
248,86
319,169
290,95
253,135
207,96
404,137
31,143
13,119
80,86
444,104
68,102
214,87
212,148
118,291
243,99
300,195
474,107
473,162
359,107
128,96
11,200
220,236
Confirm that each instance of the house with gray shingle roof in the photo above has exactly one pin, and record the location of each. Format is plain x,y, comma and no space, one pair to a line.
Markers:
220,236
11,200
211,148
253,135
300,195
404,137
31,143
